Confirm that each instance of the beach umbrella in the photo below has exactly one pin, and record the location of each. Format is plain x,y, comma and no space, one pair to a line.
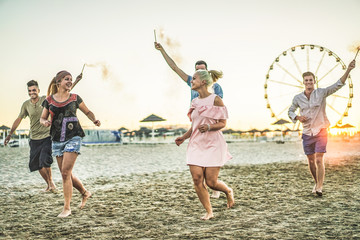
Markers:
281,122
153,118
161,131
180,131
4,129
347,126
228,131
287,130
253,131
344,128
128,133
145,130
122,129
265,130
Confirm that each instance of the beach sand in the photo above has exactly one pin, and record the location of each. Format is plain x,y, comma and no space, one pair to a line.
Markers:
273,201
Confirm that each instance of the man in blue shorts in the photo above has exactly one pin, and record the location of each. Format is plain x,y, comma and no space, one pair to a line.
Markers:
187,78
40,142
312,104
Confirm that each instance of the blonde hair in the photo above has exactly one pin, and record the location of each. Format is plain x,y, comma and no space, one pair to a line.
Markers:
210,76
53,88
215,75
54,84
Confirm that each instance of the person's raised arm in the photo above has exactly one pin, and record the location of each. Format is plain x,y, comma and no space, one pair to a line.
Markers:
171,62
336,86
78,78
89,114
348,70
12,130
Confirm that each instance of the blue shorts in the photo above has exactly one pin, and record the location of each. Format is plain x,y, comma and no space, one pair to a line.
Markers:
315,144
71,145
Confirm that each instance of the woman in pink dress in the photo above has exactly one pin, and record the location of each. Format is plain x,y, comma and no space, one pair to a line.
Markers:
207,150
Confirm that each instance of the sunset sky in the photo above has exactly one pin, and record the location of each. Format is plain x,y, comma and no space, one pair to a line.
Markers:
38,38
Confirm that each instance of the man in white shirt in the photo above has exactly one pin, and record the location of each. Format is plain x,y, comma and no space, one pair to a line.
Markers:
312,104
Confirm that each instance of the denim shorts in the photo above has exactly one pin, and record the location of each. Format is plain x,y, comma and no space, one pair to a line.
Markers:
71,145
315,144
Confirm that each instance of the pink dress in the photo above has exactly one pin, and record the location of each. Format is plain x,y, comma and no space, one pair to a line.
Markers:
208,149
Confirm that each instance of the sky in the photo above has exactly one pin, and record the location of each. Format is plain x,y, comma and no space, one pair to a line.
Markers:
241,38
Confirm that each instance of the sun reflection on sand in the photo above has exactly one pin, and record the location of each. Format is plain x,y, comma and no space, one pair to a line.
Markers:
342,150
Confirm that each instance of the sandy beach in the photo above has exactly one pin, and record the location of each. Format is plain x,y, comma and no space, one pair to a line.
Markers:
273,201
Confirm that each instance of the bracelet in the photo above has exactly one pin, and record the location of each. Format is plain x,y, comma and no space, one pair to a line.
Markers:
208,127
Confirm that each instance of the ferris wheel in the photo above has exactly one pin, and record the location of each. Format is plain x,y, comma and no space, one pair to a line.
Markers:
284,81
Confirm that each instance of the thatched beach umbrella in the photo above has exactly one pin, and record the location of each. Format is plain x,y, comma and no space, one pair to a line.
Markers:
4,129
228,131
153,118
281,122
347,126
123,129
253,131
344,128
265,130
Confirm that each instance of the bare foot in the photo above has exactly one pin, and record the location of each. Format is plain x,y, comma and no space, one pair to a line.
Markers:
52,186
207,216
314,189
215,194
85,197
64,213
230,198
